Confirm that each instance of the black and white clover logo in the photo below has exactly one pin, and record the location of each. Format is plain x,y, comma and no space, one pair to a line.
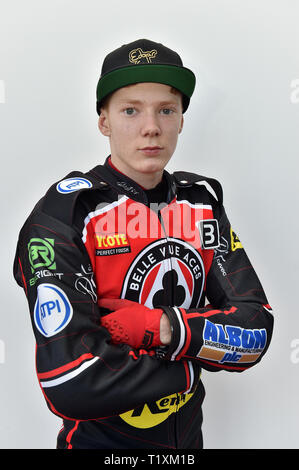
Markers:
166,272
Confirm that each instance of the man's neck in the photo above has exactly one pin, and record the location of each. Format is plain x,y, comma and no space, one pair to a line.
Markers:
145,180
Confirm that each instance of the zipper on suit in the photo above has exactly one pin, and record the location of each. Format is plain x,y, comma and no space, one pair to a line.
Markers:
172,301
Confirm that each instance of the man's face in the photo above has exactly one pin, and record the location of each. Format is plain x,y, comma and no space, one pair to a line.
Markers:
143,122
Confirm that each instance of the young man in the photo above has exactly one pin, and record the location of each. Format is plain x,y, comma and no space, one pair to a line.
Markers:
117,265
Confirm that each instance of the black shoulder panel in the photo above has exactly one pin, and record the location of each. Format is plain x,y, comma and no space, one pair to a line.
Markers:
185,179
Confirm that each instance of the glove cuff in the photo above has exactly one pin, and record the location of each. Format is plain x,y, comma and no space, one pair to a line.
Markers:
181,335
151,338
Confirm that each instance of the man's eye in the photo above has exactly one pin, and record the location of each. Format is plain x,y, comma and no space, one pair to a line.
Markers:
129,111
167,111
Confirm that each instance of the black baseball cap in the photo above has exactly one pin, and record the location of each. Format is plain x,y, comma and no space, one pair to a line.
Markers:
144,61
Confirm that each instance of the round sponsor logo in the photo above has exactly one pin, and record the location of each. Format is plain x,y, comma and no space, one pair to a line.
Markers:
70,185
164,270
52,310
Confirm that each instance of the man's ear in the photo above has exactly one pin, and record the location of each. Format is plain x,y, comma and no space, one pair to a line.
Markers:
103,124
182,123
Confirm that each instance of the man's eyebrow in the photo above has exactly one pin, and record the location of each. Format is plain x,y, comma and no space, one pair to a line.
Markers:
124,100
161,103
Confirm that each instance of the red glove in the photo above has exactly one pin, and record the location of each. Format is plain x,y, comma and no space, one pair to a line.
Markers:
132,323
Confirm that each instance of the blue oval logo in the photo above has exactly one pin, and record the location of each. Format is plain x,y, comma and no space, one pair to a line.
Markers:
70,185
52,310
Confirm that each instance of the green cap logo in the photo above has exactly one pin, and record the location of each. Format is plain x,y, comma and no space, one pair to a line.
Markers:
41,253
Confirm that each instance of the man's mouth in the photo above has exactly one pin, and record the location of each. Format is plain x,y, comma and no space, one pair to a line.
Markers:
151,147
151,150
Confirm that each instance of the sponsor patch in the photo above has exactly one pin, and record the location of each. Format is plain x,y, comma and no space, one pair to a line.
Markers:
112,244
231,343
52,310
43,273
85,283
70,185
235,242
149,415
161,265
41,253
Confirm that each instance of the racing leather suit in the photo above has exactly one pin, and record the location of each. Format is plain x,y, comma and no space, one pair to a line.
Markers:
95,235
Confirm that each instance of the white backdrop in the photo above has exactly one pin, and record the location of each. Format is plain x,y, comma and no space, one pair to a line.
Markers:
242,127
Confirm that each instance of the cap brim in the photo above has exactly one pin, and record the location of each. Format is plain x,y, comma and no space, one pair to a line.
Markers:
180,78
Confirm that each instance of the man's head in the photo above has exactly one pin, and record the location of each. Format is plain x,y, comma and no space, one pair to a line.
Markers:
143,122
141,107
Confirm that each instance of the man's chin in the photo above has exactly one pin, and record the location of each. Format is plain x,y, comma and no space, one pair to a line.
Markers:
152,165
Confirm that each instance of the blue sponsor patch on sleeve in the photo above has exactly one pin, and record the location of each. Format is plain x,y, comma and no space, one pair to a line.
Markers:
227,343
52,310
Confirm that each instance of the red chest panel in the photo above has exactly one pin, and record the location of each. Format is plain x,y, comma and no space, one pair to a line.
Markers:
151,257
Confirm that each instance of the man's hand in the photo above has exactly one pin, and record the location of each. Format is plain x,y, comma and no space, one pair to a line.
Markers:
135,324
165,330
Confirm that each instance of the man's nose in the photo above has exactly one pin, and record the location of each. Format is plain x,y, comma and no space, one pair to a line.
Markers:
151,126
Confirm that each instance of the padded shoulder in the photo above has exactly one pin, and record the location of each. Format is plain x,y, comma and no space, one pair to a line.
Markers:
62,196
185,179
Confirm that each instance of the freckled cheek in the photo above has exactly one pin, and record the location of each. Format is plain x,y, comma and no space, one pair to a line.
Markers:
126,130
171,127
172,134
120,136
124,139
